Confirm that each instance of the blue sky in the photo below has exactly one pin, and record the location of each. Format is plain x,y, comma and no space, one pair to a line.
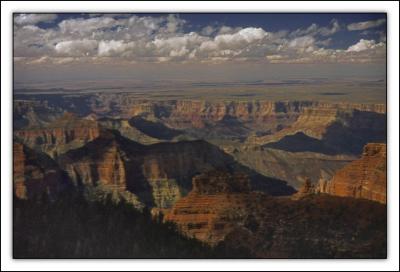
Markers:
268,21
59,41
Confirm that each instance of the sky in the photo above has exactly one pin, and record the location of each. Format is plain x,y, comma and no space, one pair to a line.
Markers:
198,47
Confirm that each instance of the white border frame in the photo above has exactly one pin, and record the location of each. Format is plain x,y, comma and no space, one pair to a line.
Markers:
392,9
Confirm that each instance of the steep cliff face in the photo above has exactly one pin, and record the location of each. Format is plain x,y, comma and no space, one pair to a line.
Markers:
330,123
362,178
59,136
201,213
157,174
221,210
104,166
254,121
182,112
277,118
35,174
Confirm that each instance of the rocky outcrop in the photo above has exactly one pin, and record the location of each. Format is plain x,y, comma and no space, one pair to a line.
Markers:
157,174
257,122
333,126
321,226
265,115
362,178
306,190
278,227
36,175
127,130
201,213
59,136
244,110
104,165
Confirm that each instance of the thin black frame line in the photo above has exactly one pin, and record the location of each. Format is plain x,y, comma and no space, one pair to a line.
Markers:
12,122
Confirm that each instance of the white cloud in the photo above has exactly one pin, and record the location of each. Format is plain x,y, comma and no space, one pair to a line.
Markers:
246,35
174,23
134,38
31,19
112,48
76,48
366,24
362,45
302,44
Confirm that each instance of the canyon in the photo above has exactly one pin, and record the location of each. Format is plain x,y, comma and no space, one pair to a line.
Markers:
267,136
156,175
277,179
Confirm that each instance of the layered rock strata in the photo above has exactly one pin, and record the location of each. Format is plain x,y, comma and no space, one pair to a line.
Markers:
201,213
157,174
362,178
61,135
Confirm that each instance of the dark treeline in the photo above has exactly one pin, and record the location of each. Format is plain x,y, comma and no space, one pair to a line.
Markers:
73,227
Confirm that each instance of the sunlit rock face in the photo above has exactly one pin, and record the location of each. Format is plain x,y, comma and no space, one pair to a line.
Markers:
157,175
201,214
362,178
220,210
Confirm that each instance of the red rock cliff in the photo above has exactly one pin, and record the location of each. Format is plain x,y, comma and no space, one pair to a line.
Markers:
201,214
362,178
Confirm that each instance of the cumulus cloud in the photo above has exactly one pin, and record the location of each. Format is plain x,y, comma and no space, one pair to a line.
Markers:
76,48
115,38
111,48
31,19
363,45
302,43
366,25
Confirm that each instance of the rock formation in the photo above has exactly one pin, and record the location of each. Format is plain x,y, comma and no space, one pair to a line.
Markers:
306,190
327,131
35,174
278,227
127,130
34,113
59,136
362,178
263,115
201,214
157,174
289,166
